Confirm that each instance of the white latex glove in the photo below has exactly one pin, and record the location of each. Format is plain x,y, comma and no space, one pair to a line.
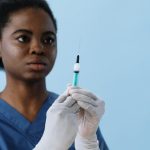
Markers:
61,125
92,109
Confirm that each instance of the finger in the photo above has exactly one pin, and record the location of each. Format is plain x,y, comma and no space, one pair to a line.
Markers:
83,92
66,92
87,107
75,87
69,101
75,108
84,98
68,89
101,106
69,85
91,109
61,98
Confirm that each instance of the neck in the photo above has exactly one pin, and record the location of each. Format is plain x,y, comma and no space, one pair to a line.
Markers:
27,98
24,91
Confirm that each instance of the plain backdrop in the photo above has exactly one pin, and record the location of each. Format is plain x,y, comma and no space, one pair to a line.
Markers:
113,40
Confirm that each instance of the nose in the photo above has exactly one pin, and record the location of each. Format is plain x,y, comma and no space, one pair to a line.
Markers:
37,48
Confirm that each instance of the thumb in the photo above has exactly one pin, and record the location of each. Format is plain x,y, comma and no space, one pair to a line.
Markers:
69,85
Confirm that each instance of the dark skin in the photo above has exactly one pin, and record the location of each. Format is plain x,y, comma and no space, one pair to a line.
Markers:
28,50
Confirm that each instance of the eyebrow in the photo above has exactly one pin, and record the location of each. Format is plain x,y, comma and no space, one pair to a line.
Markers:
30,32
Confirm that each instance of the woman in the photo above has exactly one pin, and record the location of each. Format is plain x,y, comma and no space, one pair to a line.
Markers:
28,49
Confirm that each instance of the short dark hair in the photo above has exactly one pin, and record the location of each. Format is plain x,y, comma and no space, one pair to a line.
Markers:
7,7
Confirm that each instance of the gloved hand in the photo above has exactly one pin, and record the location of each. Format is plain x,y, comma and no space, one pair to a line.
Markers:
92,109
61,125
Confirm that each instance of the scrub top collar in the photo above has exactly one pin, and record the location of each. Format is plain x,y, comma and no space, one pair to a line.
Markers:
18,120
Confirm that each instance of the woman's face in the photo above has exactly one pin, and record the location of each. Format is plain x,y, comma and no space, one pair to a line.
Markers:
28,45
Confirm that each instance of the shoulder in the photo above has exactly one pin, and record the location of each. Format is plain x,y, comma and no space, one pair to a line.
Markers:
53,95
102,143
51,98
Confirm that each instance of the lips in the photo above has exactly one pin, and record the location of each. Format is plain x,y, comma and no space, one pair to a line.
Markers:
37,65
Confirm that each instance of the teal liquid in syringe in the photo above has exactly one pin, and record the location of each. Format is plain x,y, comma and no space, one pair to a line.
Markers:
76,72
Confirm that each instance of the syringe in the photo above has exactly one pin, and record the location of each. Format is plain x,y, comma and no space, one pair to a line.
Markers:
76,72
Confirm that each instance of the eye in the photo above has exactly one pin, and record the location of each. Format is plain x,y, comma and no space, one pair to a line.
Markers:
23,39
49,40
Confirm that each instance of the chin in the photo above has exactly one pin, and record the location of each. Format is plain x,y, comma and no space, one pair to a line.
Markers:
35,77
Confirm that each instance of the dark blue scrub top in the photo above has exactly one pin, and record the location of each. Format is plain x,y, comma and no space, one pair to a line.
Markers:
17,133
